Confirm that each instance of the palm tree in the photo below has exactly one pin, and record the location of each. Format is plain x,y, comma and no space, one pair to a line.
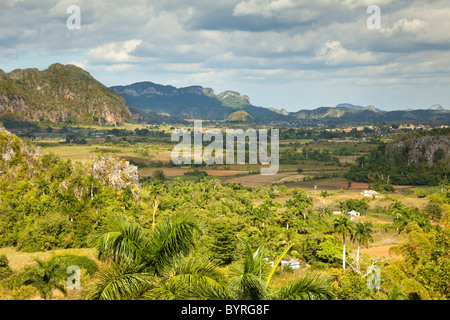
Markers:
158,266
362,234
150,265
300,203
405,215
344,226
324,194
250,281
45,276
396,293
247,282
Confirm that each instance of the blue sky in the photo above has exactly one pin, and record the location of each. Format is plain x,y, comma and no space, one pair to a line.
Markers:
291,54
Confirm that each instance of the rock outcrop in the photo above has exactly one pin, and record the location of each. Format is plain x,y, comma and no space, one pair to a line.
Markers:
59,94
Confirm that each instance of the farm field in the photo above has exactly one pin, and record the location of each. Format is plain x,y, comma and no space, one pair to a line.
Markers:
18,260
302,206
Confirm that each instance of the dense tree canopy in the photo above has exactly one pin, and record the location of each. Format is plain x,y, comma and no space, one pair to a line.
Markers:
417,158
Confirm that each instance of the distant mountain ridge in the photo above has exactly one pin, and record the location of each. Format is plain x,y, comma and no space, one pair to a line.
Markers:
437,107
354,107
67,94
193,102
196,102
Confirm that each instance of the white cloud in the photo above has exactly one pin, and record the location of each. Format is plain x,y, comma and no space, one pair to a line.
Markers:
264,8
119,67
365,3
81,64
230,43
334,54
115,52
408,26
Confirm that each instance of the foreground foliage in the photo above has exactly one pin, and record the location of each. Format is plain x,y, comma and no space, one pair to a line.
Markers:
206,239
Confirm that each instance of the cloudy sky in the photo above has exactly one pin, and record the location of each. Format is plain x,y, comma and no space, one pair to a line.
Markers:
293,54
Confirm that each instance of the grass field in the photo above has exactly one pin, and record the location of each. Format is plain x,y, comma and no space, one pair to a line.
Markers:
315,178
18,259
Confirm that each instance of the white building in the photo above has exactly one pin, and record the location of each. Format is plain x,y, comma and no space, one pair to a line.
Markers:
293,263
370,193
354,213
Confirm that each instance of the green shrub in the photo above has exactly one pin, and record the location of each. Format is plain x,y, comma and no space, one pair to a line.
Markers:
5,270
329,251
44,233
319,266
24,293
81,261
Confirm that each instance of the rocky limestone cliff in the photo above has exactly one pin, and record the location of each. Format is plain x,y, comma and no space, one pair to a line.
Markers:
226,94
149,89
426,148
61,93
437,107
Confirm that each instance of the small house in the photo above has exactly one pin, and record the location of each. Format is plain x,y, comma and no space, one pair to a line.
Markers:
293,263
354,213
370,193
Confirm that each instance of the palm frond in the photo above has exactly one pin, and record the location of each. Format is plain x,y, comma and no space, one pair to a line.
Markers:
307,287
253,262
247,286
121,282
170,239
272,271
199,278
247,280
119,240
199,266
45,276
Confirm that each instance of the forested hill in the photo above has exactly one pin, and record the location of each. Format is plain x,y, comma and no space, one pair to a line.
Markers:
194,102
60,94
417,158
49,203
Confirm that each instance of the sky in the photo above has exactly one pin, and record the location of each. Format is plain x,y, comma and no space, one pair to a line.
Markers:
291,54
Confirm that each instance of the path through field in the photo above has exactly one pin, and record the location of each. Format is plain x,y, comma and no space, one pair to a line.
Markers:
256,180
381,251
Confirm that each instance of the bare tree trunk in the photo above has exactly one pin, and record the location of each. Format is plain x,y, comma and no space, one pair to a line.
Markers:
343,254
357,255
155,208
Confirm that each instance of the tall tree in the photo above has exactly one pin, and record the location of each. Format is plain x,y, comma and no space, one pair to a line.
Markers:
300,203
45,276
344,226
362,234
250,281
144,264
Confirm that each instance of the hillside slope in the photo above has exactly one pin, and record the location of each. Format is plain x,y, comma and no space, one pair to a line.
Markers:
59,94
343,114
416,158
194,102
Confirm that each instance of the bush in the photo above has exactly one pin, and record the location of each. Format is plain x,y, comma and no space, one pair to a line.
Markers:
434,211
45,233
24,293
81,261
159,175
319,266
5,270
328,251
197,173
